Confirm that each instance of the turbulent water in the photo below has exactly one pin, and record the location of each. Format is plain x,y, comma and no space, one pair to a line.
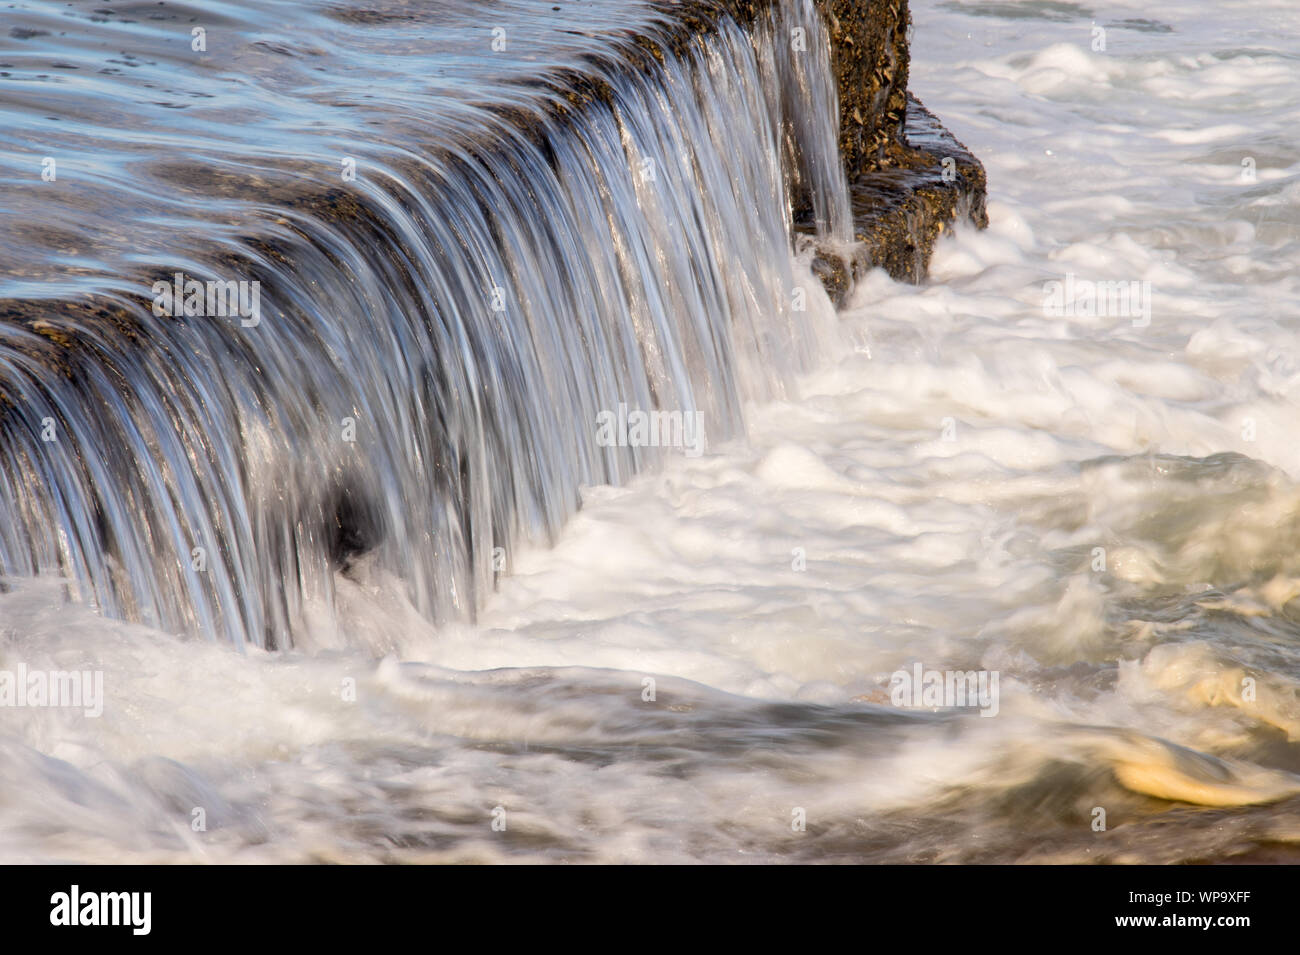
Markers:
1100,508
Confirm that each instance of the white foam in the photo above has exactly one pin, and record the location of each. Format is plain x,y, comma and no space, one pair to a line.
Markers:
924,500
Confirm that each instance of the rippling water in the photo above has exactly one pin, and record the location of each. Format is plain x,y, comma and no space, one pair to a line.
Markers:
1099,508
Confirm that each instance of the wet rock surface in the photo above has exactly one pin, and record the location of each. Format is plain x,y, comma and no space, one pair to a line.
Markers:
901,209
77,253
909,177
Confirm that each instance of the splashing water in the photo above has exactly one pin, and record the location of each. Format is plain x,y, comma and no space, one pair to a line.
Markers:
697,667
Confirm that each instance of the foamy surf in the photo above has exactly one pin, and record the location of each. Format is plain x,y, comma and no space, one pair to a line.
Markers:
1101,508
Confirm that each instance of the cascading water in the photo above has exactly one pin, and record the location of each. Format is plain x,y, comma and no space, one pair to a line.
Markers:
434,337
478,226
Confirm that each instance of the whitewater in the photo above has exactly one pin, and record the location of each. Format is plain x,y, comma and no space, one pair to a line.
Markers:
1099,508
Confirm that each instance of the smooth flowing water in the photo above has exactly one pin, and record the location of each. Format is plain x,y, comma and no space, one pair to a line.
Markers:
448,296
697,664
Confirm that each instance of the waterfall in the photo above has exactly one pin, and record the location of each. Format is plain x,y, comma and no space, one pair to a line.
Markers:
433,340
